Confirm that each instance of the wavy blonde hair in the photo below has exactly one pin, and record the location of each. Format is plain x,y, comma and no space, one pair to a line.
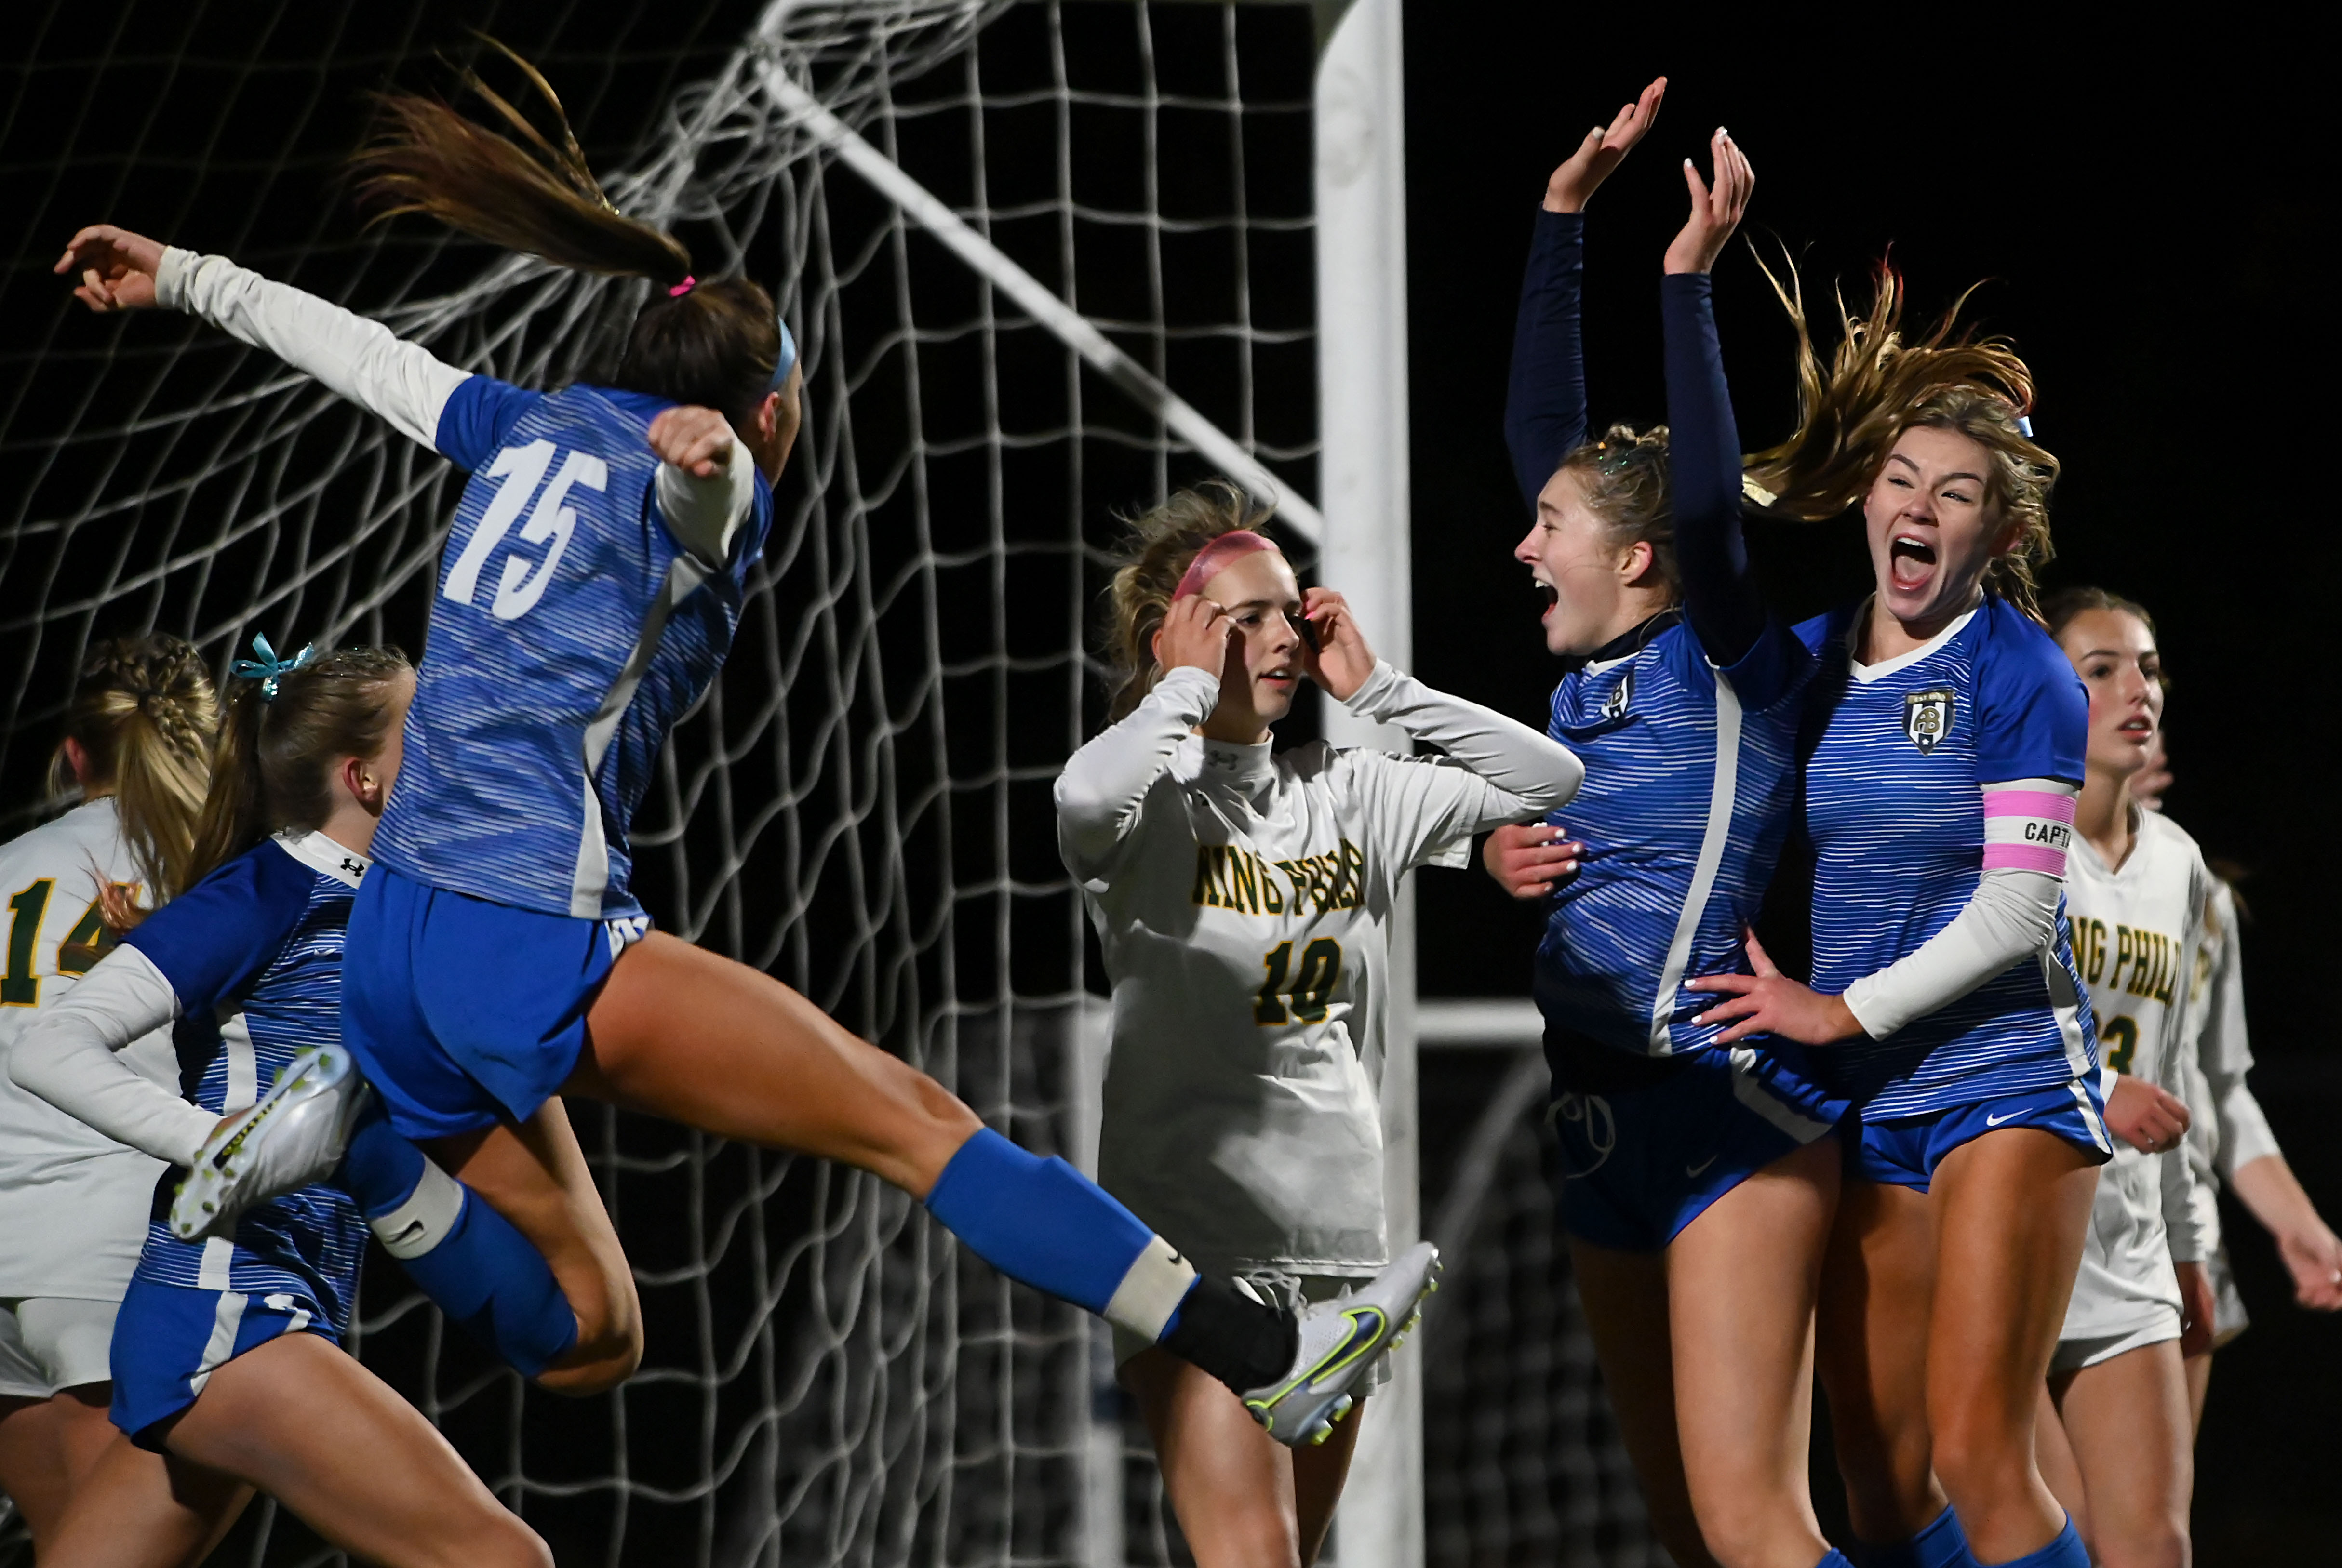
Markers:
1878,386
1154,555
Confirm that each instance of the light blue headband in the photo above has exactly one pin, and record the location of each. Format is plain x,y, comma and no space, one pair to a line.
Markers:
268,669
788,358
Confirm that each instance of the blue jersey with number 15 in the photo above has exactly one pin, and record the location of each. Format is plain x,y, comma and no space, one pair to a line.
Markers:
570,631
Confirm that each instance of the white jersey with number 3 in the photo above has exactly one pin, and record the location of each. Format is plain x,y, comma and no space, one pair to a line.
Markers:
2137,930
1243,901
73,1201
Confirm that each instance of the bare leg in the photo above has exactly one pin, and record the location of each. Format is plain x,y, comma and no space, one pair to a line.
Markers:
1872,1329
1243,1499
142,1510
305,1423
2012,1207
536,1175
713,1044
2128,1420
2198,1368
1741,1283
48,1448
1624,1296
2060,1471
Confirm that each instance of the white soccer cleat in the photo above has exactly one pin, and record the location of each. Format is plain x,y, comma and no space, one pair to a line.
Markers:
1341,1341
295,1135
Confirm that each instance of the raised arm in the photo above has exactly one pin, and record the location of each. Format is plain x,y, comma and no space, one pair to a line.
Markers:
356,358
1544,398
1720,597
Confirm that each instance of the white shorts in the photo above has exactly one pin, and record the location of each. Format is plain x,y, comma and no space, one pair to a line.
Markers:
2090,1350
1291,1292
53,1342
2229,1318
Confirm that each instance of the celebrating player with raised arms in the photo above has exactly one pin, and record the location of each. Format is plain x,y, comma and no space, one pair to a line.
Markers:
2116,1445
1944,753
72,1203
587,595
1242,900
1699,1179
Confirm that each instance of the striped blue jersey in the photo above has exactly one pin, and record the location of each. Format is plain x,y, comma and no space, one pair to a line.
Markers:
1690,789
1899,754
569,632
253,953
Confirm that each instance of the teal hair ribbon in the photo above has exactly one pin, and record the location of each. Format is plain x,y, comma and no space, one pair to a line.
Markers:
268,669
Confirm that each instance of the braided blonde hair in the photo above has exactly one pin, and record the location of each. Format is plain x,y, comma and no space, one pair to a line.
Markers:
145,716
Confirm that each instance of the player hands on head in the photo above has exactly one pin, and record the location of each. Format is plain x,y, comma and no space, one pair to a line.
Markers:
496,957
1242,901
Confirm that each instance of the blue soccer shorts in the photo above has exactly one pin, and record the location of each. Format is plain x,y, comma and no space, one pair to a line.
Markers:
168,1340
1904,1153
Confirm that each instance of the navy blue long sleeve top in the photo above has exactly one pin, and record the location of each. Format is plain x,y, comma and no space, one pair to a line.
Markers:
1545,401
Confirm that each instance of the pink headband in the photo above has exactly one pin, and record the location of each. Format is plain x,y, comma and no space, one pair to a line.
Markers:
1208,560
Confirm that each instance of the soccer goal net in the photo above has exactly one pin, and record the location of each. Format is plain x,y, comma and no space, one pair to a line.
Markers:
1045,260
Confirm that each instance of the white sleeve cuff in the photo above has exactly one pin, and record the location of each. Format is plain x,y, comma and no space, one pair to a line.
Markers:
69,1055
703,513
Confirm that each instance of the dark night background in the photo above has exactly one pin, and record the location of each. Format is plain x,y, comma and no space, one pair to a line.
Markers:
2152,207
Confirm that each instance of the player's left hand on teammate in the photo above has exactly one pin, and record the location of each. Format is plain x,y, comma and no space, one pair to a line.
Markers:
1341,661
1715,210
2150,1119
2314,1255
1769,1003
2198,1307
696,440
116,268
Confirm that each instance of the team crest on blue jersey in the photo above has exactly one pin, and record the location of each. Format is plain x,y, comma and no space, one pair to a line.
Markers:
1927,718
1622,695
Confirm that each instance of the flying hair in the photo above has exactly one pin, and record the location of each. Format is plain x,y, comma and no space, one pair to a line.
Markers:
1875,387
715,343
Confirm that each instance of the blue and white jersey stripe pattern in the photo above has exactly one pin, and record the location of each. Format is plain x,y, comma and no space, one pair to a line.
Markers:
1899,754
253,953
1690,789
570,631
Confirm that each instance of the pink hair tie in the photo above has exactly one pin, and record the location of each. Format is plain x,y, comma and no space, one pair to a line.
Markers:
684,287
1216,554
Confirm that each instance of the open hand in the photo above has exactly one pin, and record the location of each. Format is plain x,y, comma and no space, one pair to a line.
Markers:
1770,1003
2149,1119
1528,860
1341,661
1196,634
1715,210
696,440
115,267
1604,149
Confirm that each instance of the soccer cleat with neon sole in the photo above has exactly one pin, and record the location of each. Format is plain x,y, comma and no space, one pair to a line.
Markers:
1341,1341
294,1134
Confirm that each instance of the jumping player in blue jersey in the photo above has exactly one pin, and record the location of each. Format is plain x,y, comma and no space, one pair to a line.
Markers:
1944,757
226,1367
1700,1179
586,598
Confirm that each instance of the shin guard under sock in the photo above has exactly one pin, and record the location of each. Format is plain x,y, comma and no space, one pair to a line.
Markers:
488,1278
1942,1544
1045,1223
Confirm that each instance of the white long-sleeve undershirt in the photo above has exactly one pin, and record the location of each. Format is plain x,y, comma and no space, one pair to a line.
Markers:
69,1055
407,385
2012,914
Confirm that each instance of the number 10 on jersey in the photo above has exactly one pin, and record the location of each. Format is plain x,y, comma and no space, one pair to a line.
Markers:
1307,987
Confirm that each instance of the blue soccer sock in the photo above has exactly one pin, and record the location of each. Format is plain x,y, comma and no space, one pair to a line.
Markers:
1044,1223
1942,1544
2065,1552
488,1277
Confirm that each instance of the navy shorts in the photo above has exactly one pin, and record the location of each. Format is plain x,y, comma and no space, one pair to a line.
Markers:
464,1012
1905,1152
168,1340
1639,1164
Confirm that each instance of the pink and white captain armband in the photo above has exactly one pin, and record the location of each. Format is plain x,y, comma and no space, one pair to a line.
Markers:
2028,830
